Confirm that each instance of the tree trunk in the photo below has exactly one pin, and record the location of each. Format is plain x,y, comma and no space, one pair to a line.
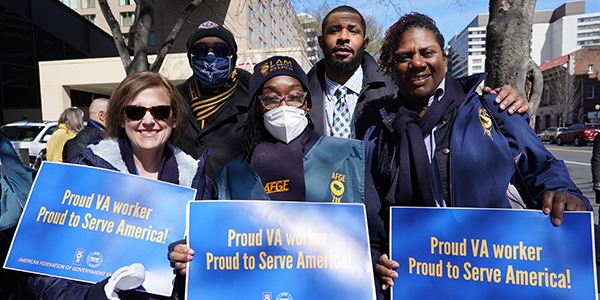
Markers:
508,50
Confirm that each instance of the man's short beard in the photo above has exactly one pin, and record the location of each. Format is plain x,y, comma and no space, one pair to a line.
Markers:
345,67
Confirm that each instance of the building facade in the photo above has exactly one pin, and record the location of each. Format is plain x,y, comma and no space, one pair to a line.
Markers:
555,33
256,24
312,30
571,86
32,31
261,28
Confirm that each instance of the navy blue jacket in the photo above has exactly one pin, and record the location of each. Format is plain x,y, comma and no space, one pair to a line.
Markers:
175,167
475,157
377,92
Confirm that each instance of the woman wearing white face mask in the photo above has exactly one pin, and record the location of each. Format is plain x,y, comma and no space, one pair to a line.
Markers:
284,159
292,161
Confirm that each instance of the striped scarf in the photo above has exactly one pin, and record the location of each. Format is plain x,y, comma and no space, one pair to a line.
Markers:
205,102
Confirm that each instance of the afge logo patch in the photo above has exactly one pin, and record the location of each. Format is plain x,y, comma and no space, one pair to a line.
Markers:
337,186
486,122
78,256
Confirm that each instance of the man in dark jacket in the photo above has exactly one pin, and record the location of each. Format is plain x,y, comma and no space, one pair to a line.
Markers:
91,133
596,167
367,90
343,42
218,97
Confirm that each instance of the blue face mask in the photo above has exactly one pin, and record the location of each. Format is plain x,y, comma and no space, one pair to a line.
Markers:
211,70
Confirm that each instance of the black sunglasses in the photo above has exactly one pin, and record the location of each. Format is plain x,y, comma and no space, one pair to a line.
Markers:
159,112
218,50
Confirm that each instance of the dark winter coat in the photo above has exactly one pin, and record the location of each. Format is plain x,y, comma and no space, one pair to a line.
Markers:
91,133
596,160
464,140
175,167
223,134
377,92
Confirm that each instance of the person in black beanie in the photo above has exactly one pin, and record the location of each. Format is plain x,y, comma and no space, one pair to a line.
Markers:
285,159
217,93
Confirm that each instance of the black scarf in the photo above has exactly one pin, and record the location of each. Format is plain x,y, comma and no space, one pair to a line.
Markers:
280,166
412,183
205,102
167,170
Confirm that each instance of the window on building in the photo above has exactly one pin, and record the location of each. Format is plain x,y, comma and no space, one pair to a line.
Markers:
261,8
250,14
70,3
589,91
88,3
250,35
127,19
262,44
152,38
126,39
591,69
273,23
262,27
91,18
126,2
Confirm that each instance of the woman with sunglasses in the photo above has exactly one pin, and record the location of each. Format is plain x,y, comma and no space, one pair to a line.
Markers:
145,115
284,159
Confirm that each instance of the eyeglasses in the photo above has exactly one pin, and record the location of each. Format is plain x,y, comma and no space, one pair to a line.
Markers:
218,50
273,101
159,112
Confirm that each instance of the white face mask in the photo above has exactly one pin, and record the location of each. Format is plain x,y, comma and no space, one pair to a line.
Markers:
285,123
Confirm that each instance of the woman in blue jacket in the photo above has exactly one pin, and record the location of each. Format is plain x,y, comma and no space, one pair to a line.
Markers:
443,144
145,115
284,159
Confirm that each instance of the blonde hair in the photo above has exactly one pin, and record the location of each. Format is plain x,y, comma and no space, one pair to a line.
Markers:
72,117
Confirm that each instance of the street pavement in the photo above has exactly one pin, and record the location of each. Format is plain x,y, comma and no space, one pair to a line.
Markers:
577,160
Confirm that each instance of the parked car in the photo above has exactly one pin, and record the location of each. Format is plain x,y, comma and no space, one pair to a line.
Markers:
550,134
31,135
578,134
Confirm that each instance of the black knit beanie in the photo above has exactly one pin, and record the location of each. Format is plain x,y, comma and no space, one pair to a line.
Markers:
275,66
210,28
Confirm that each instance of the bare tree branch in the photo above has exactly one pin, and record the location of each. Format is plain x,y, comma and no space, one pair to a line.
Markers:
115,29
168,43
564,91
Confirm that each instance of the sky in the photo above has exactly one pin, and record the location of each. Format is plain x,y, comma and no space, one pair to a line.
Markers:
451,16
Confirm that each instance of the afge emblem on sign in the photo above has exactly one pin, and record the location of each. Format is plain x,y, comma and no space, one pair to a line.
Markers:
284,296
337,186
78,256
94,259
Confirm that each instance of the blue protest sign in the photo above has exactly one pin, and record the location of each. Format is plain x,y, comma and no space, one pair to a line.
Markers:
83,223
278,250
465,253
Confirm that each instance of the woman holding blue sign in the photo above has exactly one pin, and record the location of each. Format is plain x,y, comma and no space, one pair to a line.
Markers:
444,145
284,159
146,114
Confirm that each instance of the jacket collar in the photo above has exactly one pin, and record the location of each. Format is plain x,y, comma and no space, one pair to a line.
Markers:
118,154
